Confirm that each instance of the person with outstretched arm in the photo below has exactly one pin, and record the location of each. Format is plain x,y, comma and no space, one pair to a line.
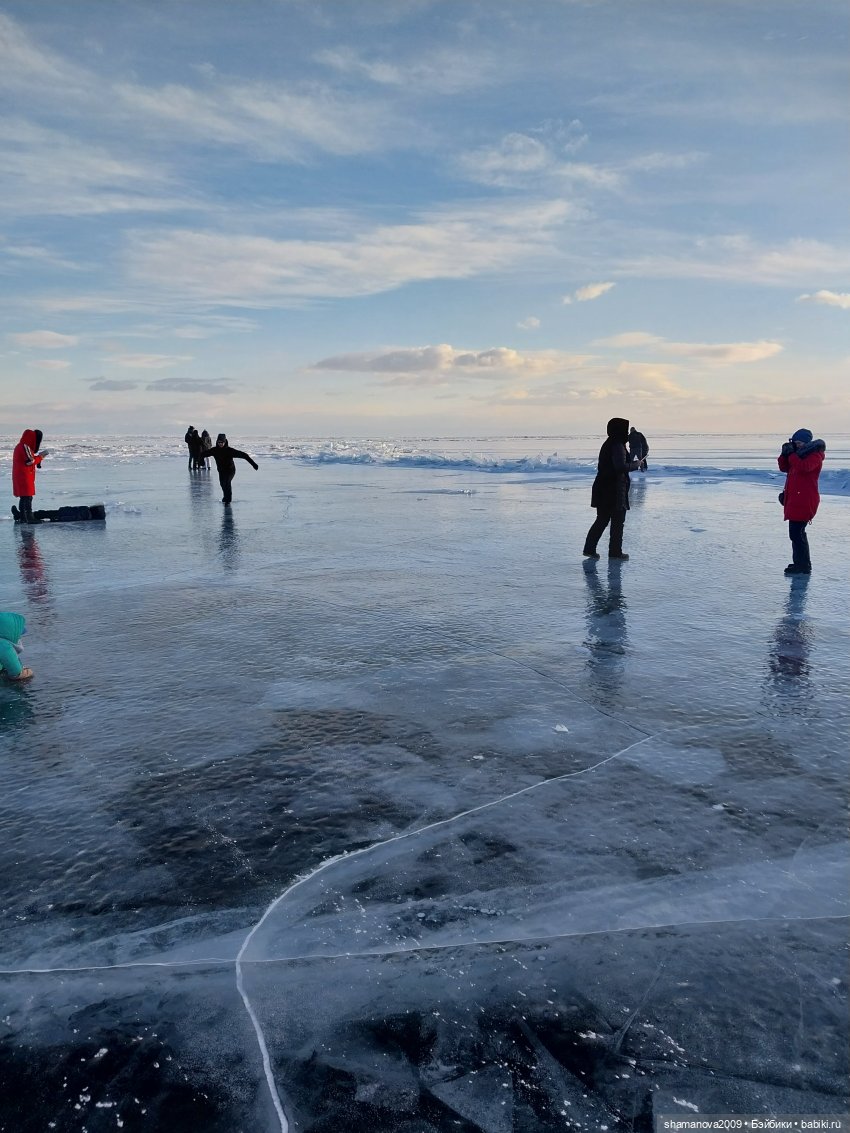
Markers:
800,459
224,457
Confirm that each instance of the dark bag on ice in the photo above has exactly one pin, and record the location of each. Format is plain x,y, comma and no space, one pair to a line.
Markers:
782,498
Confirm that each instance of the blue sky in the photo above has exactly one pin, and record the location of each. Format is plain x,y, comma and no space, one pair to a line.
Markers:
413,217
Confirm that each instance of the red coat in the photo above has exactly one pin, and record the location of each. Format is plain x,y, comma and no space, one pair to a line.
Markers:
24,463
801,484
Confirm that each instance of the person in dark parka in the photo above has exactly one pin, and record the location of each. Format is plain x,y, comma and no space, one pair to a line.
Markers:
638,448
224,455
610,492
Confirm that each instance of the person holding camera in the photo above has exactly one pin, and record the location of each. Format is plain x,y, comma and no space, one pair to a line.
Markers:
610,491
801,459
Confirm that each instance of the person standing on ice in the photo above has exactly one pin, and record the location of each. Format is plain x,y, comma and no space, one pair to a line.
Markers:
223,455
25,460
12,628
801,459
610,492
638,448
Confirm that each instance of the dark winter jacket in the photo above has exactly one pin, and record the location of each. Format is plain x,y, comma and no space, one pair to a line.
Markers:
223,455
610,490
25,460
801,483
638,445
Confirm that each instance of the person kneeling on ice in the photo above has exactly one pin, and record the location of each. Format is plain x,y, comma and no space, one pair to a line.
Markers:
223,455
12,628
801,458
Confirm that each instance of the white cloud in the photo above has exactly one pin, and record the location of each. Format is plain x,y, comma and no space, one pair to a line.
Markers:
519,160
447,360
738,258
720,353
261,271
629,338
531,323
107,385
190,385
46,171
444,71
828,299
45,340
587,293
212,325
49,364
147,361
273,120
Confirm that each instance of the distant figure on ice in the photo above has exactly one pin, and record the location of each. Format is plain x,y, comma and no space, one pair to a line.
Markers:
25,459
188,438
12,628
610,492
638,448
206,445
195,445
223,455
801,458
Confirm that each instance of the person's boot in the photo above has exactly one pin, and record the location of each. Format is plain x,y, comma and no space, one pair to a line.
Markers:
590,554
620,556
16,514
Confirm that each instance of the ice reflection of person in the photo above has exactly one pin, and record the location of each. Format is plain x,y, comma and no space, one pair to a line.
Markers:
607,634
33,570
788,660
228,542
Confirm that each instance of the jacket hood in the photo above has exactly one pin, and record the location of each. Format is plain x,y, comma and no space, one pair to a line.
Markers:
12,626
618,429
32,438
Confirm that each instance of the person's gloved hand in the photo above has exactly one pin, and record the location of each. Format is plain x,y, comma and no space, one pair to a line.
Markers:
256,467
787,448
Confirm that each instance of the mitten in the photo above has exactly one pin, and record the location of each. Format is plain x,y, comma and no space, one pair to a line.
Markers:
787,448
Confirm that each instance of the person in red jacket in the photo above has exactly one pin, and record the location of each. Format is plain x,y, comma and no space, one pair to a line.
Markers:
801,458
25,459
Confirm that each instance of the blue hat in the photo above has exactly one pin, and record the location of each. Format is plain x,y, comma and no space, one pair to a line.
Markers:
803,436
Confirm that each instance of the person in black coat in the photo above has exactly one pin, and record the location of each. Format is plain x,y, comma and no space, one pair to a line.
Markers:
638,448
224,455
610,492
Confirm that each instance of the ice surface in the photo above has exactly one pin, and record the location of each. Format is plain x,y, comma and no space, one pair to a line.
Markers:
369,804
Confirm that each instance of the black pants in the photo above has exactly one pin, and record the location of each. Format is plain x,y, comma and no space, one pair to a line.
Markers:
226,481
604,516
799,543
25,509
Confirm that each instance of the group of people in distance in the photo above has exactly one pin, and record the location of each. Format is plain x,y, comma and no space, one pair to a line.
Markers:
201,449
199,445
625,451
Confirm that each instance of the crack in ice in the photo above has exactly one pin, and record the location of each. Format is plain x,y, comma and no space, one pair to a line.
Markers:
240,985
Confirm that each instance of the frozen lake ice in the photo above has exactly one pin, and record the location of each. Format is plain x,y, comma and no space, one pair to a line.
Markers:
368,804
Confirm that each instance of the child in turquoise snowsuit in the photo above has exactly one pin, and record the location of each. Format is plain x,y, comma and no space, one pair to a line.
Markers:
12,626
